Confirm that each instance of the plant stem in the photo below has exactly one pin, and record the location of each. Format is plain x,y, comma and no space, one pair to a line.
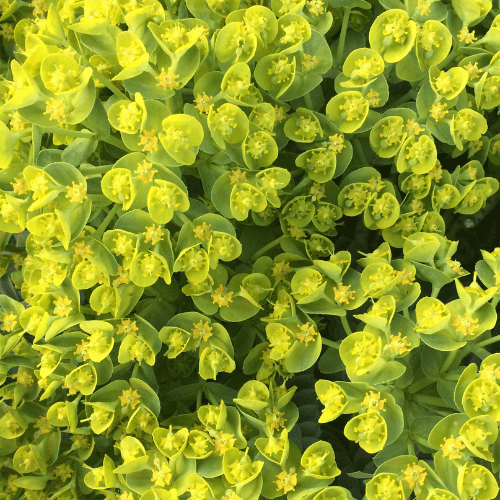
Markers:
124,366
109,85
343,32
345,324
421,440
170,9
410,447
435,291
405,98
267,247
183,217
448,361
330,343
486,342
117,143
199,397
261,336
218,168
85,134
406,313
95,170
430,400
417,386
359,150
210,396
452,376
308,101
105,223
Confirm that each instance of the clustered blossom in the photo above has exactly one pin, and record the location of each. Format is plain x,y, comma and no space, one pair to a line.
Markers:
186,193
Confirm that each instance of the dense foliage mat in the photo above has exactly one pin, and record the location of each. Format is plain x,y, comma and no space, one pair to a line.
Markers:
229,240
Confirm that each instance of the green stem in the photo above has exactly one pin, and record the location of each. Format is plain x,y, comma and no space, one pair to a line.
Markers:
199,397
218,168
87,310
117,143
95,170
267,247
183,217
345,324
452,376
210,396
330,343
105,223
109,85
343,32
410,447
417,386
308,101
261,336
405,98
430,400
422,441
124,366
486,342
448,361
435,291
85,134
359,150
24,133
170,9
406,313
450,57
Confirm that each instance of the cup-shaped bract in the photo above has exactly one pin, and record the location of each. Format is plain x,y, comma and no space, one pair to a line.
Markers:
362,66
433,43
392,34
181,137
348,110
417,154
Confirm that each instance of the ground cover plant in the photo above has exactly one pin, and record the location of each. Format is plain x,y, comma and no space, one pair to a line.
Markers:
230,266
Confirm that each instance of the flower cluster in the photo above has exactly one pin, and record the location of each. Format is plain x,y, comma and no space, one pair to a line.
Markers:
227,226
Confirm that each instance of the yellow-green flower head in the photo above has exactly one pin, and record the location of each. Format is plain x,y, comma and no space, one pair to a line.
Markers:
303,126
392,34
354,198
181,137
280,339
318,461
385,486
448,84
362,65
432,315
480,432
239,467
61,74
482,397
467,125
415,476
229,121
214,360
360,351
369,430
452,448
334,399
235,43
366,352
377,278
477,482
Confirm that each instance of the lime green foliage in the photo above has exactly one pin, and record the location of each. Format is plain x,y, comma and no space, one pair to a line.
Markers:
184,311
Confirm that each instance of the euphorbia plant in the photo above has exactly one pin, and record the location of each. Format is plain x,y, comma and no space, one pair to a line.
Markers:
228,250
